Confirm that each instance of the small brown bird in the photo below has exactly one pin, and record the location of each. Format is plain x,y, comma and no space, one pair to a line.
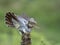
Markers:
22,23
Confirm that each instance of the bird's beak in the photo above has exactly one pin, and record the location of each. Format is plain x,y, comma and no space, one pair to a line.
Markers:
37,27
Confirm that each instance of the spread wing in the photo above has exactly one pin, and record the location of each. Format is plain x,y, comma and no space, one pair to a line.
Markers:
10,18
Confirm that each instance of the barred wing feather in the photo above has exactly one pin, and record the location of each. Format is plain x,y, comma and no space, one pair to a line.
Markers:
11,20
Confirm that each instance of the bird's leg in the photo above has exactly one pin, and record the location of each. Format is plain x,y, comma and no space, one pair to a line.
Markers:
26,40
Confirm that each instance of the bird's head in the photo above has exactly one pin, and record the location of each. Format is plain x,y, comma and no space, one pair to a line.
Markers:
31,23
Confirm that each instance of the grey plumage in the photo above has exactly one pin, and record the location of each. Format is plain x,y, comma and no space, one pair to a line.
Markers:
22,23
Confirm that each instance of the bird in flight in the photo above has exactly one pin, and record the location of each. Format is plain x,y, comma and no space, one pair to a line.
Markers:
23,23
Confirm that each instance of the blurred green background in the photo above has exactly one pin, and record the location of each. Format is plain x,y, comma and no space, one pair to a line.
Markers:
46,13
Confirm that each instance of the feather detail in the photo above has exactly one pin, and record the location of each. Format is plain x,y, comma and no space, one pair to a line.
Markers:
8,18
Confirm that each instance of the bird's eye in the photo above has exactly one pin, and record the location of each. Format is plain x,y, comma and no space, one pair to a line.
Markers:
24,21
